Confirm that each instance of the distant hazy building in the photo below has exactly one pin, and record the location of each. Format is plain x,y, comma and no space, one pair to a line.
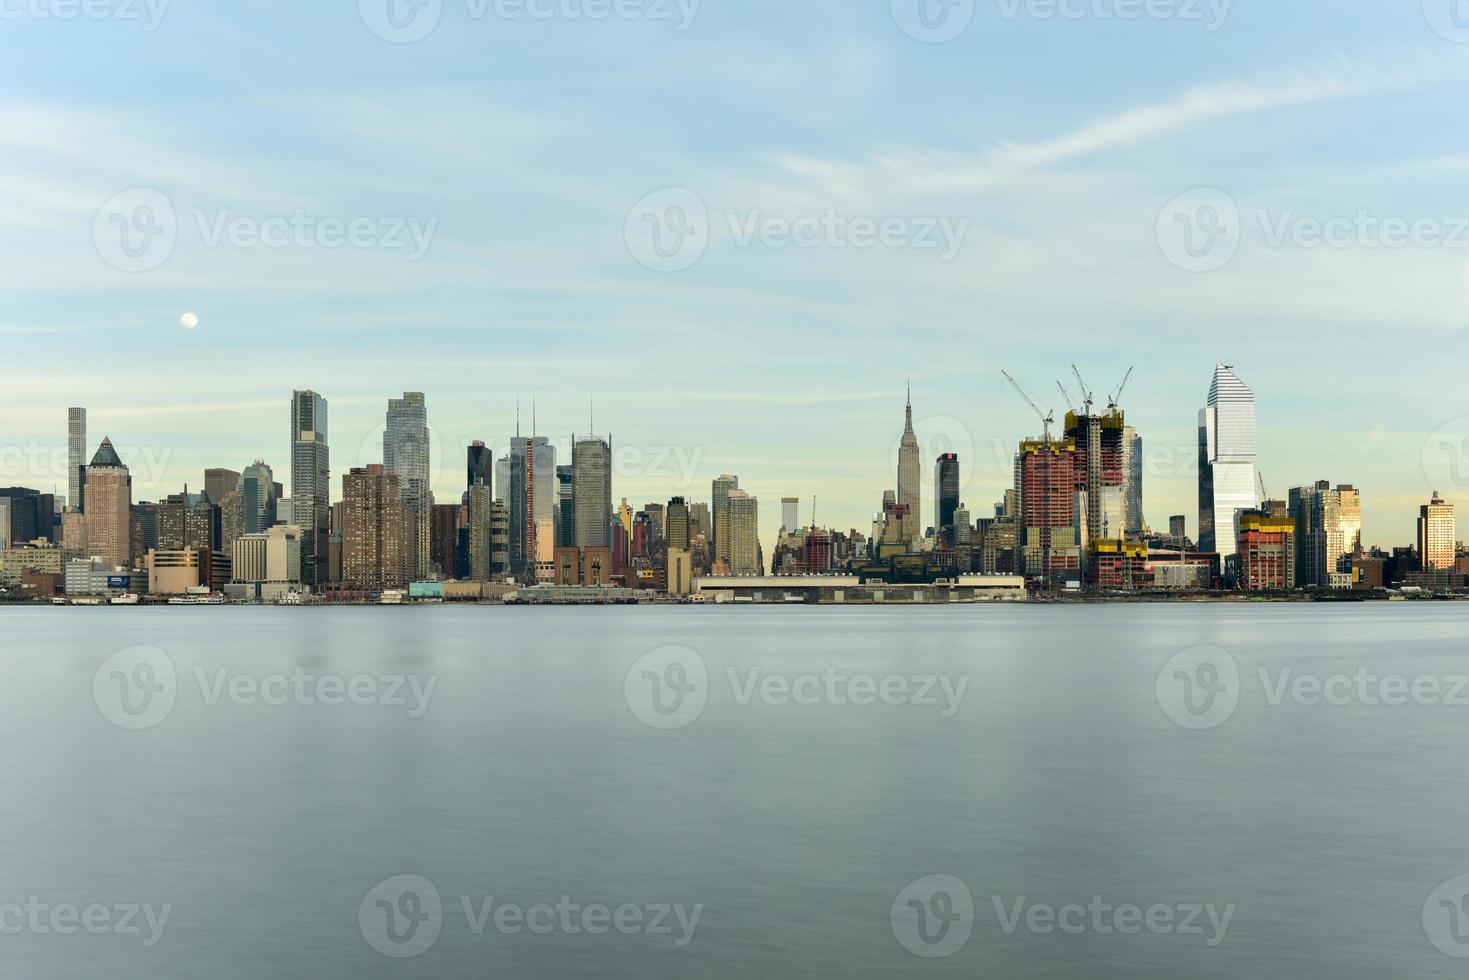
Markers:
109,496
1228,480
591,463
375,530
910,476
479,465
220,482
565,507
257,493
744,533
790,511
311,483
1437,535
406,456
76,455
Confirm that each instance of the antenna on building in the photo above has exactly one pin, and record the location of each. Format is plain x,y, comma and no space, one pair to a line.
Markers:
517,417
813,512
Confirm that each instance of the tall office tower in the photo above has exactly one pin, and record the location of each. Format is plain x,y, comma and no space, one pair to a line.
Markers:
499,540
945,496
220,482
188,522
257,492
723,487
1228,481
29,516
76,455
445,540
406,456
481,532
744,533
311,487
963,526
678,524
528,487
910,477
145,527
376,534
565,507
1132,482
109,495
1178,526
1437,535
790,513
1328,533
591,464
479,465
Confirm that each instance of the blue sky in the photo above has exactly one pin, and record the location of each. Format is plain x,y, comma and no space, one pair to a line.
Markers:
521,147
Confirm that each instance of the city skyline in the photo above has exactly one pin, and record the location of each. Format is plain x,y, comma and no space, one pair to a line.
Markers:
666,471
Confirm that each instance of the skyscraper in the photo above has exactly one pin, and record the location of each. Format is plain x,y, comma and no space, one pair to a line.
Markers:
1328,533
591,464
76,455
311,491
744,533
1132,482
109,495
220,483
565,507
257,488
946,495
1437,535
678,524
790,511
910,476
723,487
528,487
375,530
479,466
1228,481
406,456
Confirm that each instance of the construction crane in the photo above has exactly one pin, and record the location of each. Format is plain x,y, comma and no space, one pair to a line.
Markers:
1116,395
1066,395
1086,394
1047,417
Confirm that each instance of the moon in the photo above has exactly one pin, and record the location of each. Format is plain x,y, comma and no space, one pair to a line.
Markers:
189,320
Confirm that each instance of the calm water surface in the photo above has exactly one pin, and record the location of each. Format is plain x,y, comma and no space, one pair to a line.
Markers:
565,757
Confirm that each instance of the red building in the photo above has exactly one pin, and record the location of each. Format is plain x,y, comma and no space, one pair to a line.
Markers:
1266,549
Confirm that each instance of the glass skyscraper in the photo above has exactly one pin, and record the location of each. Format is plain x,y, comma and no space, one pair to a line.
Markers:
1228,480
406,456
311,497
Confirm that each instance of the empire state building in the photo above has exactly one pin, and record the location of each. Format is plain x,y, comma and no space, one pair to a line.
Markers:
909,472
